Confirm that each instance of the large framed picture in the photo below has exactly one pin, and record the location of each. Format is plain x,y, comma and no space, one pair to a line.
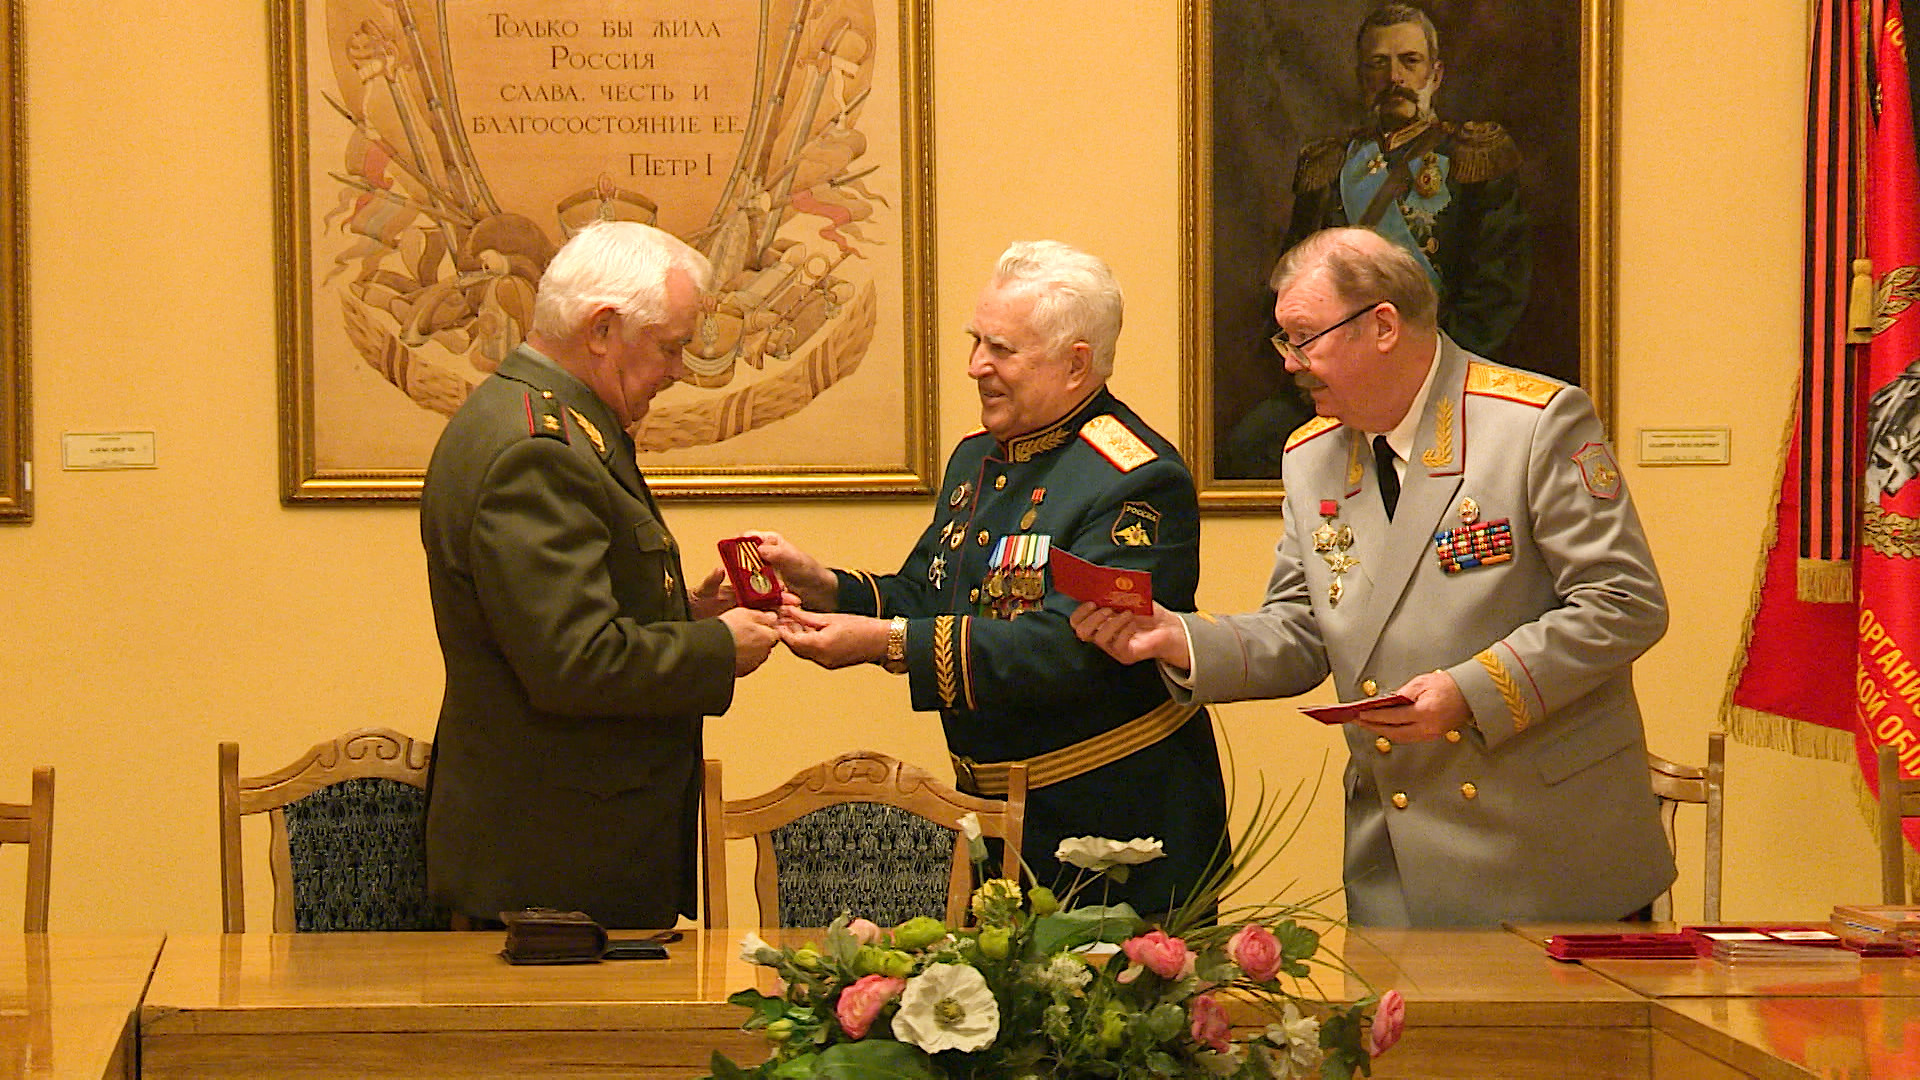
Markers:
433,154
16,420
1477,134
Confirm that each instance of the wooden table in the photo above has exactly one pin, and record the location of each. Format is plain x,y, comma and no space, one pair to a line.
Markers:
68,1001
1480,1003
1857,1018
1487,1003
1787,1038
436,1004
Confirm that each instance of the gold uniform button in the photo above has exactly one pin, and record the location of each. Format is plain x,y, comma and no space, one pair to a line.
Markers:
999,483
973,596
1383,744
1400,799
1369,687
1453,735
982,538
1468,791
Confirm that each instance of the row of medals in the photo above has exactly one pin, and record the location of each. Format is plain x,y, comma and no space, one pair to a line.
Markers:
1016,581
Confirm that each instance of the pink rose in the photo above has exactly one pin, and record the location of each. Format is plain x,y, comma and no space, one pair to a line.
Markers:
1257,952
1210,1027
1389,1020
860,1003
1167,957
864,931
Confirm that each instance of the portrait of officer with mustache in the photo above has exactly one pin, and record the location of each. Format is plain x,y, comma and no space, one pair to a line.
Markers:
1447,192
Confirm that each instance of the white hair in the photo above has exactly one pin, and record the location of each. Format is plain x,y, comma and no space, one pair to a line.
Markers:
1075,296
622,265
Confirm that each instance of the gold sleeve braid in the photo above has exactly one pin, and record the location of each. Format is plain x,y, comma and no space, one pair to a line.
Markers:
1509,688
872,585
943,660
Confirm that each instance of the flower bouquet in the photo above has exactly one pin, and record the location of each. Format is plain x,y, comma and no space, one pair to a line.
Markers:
1048,985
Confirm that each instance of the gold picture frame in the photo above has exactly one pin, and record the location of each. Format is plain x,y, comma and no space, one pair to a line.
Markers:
1290,73
431,154
16,396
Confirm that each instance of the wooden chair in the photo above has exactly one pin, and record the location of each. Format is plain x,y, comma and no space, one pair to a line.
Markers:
347,834
1703,786
31,823
864,832
1899,799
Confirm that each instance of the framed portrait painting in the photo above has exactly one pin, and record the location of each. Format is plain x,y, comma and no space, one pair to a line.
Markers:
434,154
1475,133
16,428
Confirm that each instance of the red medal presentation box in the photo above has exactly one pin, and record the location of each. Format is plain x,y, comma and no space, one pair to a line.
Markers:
755,584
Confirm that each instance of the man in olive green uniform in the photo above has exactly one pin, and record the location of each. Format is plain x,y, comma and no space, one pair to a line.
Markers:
566,765
971,618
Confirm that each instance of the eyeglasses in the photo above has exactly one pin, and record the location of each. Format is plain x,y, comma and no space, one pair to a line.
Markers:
1298,353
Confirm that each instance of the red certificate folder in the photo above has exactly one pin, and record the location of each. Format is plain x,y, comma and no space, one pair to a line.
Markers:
755,584
1106,586
1348,710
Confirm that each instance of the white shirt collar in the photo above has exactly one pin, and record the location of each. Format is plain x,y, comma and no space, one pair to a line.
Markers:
1402,436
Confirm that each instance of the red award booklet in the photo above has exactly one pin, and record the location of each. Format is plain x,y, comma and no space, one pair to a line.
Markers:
1106,586
1348,710
755,584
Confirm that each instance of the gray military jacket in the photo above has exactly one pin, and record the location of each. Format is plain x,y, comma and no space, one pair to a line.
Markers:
1516,564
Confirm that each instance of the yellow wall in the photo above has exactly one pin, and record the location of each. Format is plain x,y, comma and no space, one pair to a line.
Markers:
147,615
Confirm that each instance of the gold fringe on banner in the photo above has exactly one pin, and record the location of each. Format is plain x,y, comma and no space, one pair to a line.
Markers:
1826,581
1823,581
1796,737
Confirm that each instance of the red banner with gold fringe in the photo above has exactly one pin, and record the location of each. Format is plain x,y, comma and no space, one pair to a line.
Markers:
1831,665
1888,558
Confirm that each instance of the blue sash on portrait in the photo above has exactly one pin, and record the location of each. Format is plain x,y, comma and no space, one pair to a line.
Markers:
1359,184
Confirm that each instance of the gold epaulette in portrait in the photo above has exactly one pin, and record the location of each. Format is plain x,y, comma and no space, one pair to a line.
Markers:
543,417
1489,380
1118,445
1481,151
1313,428
1319,164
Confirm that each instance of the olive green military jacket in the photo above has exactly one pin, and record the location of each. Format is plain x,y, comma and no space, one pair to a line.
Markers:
567,760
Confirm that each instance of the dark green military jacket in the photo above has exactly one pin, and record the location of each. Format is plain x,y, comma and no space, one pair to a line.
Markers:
566,767
989,645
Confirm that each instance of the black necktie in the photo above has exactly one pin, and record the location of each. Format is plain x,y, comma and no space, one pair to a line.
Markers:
1389,476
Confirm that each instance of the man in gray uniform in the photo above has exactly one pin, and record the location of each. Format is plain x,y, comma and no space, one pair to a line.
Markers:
1459,533
566,767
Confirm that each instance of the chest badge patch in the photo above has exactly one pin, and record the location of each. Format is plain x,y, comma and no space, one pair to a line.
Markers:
1137,526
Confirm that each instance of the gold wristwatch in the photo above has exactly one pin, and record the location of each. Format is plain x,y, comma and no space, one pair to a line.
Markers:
896,660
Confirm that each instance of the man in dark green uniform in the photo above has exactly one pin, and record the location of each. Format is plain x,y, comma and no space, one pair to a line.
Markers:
566,766
971,620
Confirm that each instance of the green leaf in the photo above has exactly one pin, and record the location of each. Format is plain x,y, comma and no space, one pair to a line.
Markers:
1063,930
798,1067
875,1059
723,1068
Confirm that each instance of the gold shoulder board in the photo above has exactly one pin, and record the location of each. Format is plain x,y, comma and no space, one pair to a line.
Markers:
1319,425
1488,380
1319,164
1481,151
1115,443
